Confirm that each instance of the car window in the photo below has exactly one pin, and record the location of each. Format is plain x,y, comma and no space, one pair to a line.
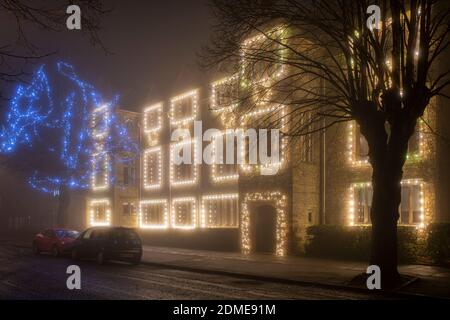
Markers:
124,234
87,234
67,234
49,233
98,234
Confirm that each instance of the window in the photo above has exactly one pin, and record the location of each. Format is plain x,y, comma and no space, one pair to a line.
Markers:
224,100
260,63
220,171
100,212
220,211
363,203
129,175
153,168
273,117
87,234
128,209
359,147
100,122
49,233
184,213
183,108
154,214
183,173
100,173
411,207
153,118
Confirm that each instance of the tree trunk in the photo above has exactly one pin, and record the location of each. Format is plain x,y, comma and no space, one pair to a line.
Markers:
384,215
63,206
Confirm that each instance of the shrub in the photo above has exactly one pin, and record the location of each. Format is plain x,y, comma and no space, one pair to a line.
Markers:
344,242
438,242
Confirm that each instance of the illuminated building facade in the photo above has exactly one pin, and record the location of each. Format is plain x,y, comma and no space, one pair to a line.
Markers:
321,178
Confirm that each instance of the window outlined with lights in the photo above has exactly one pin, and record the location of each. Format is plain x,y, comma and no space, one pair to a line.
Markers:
153,118
220,211
221,172
262,63
184,174
100,122
100,171
224,100
99,212
184,108
184,213
358,147
274,117
412,206
154,214
153,168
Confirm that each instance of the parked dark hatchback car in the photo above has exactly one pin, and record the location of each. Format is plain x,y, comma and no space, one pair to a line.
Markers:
108,243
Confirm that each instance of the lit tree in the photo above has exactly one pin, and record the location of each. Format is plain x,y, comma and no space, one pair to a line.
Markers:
338,69
48,133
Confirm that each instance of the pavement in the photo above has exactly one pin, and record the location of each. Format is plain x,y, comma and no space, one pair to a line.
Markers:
429,281
24,275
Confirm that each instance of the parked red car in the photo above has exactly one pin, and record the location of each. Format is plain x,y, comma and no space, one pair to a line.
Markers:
55,241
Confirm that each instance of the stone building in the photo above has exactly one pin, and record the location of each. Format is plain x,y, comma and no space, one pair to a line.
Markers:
321,178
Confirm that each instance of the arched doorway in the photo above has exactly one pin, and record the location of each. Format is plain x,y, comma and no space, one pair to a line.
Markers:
263,229
253,200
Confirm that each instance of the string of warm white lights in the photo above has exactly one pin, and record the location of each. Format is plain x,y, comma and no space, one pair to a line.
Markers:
97,209
215,175
193,179
100,160
183,211
224,100
352,141
280,203
207,212
159,205
153,120
276,111
153,168
176,106
407,182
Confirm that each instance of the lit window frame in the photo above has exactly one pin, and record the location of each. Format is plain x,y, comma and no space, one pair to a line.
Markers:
92,204
191,95
158,109
165,224
149,185
173,212
352,203
195,170
217,197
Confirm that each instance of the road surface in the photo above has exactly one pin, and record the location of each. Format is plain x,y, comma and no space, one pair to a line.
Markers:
24,275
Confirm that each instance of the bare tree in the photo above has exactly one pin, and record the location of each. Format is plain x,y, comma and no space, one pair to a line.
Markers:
23,16
319,58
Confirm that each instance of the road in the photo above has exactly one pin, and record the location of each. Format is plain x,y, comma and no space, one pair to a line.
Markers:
27,276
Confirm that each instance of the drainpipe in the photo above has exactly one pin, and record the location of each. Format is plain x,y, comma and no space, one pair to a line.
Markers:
323,174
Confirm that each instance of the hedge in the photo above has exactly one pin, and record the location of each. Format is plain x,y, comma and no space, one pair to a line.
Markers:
343,242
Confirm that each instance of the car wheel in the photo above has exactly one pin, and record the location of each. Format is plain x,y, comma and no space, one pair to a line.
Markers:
36,249
55,251
101,259
75,255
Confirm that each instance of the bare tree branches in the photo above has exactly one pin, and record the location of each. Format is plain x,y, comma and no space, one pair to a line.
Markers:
49,16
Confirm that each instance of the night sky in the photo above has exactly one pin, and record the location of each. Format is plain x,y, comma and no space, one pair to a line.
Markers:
154,44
